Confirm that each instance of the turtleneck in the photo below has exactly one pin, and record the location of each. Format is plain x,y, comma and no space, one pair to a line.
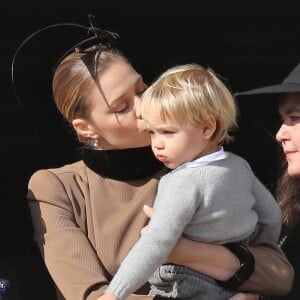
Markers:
125,164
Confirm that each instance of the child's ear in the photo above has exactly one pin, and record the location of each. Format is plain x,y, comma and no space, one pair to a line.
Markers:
84,128
209,127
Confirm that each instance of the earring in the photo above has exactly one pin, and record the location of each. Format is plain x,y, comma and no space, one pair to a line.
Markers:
94,143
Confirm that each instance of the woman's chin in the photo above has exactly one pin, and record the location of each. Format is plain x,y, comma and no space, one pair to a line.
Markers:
294,171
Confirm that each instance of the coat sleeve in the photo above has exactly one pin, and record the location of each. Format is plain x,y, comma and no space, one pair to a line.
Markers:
273,274
69,256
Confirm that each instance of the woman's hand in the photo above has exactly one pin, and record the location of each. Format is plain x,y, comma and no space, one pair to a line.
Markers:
244,296
108,296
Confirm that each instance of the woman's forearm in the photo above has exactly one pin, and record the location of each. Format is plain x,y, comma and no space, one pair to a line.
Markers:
272,274
212,260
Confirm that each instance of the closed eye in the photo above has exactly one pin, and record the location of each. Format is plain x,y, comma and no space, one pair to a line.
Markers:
121,109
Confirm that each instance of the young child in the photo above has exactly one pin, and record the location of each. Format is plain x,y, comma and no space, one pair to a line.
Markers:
210,195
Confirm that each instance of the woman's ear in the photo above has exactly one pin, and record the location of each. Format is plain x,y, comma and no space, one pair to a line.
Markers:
209,127
84,128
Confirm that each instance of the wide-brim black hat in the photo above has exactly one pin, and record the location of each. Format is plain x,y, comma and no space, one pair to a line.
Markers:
289,85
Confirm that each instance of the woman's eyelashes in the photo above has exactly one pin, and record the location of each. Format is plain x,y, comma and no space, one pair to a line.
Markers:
125,104
295,118
122,108
290,119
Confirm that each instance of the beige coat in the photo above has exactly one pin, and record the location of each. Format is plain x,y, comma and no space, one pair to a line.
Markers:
85,224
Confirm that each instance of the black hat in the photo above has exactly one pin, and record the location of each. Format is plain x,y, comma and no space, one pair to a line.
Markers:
289,85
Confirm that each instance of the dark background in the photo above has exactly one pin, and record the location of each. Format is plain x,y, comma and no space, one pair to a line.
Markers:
249,43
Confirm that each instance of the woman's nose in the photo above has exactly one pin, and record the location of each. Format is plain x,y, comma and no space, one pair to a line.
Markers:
138,107
282,133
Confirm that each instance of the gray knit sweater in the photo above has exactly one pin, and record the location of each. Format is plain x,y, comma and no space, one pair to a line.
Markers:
217,202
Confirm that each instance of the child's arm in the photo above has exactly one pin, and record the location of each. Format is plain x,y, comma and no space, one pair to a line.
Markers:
273,274
165,228
268,210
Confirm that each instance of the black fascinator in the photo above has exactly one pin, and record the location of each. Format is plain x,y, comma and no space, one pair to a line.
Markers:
88,40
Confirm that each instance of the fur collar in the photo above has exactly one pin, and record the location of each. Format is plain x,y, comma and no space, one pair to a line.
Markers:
127,164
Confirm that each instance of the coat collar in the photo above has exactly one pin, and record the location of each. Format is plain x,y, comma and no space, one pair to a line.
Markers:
127,164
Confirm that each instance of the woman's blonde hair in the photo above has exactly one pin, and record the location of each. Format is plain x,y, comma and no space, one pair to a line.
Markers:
196,93
74,79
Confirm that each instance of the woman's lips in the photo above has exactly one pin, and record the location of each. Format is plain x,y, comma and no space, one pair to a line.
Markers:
289,153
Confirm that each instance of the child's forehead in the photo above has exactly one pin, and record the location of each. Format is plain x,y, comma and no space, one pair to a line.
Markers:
155,119
158,124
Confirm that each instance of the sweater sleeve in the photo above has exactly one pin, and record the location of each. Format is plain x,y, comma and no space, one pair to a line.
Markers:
175,206
268,210
68,254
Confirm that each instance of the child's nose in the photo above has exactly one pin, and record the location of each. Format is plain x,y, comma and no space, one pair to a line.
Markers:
157,142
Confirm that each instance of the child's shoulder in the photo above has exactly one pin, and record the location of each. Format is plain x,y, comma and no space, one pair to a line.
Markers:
236,157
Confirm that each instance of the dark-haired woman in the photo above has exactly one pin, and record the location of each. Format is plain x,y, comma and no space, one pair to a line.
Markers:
288,187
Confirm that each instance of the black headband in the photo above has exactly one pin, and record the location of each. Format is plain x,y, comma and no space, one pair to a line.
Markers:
99,38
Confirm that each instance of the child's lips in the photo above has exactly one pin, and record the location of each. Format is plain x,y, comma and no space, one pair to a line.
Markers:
161,158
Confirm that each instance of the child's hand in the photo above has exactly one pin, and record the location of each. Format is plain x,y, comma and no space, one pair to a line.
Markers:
148,211
108,296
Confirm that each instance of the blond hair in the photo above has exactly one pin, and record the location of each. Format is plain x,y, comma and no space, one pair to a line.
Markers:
196,93
73,81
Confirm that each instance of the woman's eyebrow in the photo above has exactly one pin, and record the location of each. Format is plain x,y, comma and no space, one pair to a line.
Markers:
293,110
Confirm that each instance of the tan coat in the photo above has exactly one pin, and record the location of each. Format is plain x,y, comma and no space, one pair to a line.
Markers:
85,224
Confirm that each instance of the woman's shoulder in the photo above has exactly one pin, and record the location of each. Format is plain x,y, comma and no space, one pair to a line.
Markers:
69,172
59,185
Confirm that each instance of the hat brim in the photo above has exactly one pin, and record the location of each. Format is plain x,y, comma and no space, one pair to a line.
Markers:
273,89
